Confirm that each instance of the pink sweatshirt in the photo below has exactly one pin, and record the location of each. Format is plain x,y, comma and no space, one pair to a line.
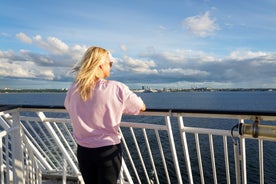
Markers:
96,121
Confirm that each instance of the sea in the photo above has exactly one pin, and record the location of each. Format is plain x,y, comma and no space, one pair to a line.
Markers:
217,100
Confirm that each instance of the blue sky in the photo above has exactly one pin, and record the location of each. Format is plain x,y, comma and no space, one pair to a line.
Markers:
172,44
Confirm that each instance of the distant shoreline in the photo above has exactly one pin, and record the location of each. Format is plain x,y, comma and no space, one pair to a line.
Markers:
140,91
33,90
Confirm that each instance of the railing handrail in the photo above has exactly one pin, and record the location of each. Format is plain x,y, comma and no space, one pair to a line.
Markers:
4,107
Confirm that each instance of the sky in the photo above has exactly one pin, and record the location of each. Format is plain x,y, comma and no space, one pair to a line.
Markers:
159,44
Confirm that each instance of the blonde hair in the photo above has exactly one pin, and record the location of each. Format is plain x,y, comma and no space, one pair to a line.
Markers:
88,70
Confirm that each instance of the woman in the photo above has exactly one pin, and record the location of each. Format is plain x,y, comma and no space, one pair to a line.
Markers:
95,106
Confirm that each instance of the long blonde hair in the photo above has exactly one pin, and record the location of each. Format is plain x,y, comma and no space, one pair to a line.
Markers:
88,70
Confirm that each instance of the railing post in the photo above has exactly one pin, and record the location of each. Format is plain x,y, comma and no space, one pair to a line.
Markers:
185,149
55,137
16,148
237,162
243,157
2,134
173,149
261,161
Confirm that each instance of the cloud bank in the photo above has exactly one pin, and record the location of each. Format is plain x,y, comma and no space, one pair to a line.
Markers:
175,68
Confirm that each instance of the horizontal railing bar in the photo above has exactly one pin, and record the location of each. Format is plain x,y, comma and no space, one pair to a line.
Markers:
247,115
143,125
226,116
195,115
4,107
229,112
60,120
208,131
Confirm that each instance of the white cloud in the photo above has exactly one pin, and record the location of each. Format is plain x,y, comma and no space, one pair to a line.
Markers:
183,72
24,38
174,57
201,25
51,44
56,45
58,52
6,54
123,48
27,64
137,66
28,69
47,74
242,55
13,70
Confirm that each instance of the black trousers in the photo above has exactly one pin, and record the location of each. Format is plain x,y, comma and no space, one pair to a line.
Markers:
100,165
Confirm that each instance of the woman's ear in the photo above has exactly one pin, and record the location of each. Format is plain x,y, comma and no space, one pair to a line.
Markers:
99,72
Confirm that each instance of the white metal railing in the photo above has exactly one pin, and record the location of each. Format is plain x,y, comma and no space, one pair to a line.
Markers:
17,160
159,146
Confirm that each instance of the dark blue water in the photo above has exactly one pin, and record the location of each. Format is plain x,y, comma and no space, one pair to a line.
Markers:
253,100
250,100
